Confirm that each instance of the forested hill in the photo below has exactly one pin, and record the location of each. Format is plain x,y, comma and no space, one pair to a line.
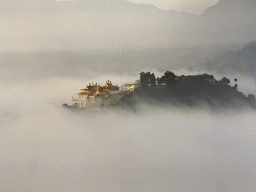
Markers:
193,91
242,61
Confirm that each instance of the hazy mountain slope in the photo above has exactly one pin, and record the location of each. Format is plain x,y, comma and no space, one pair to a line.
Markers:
78,64
91,24
242,61
229,8
230,21
75,25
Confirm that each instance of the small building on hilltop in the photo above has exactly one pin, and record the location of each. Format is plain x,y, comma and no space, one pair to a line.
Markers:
94,92
108,87
90,91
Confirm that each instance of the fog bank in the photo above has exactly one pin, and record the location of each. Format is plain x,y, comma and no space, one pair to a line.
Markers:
45,147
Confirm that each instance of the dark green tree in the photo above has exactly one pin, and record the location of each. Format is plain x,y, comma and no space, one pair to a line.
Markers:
147,78
225,80
169,78
251,97
235,87
160,80
143,80
152,80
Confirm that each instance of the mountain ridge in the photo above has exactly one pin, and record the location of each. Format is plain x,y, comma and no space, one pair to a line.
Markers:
92,24
226,6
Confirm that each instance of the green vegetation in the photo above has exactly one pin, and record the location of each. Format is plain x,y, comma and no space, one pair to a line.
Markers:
147,78
192,91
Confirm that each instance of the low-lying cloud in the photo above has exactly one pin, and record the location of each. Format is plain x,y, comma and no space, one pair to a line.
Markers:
45,147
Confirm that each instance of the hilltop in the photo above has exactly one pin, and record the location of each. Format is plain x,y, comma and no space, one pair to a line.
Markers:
193,91
190,92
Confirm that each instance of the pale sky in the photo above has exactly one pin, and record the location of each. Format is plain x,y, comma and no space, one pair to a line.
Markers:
190,6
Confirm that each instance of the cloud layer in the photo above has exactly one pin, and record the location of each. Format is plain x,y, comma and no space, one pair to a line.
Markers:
46,148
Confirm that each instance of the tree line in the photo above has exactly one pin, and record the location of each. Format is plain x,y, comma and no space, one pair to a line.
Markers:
170,79
149,79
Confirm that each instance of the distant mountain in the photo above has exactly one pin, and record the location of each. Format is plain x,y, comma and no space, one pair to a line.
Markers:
242,61
229,8
91,24
106,24
230,21
75,64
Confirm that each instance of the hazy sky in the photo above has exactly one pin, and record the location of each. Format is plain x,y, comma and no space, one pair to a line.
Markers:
191,6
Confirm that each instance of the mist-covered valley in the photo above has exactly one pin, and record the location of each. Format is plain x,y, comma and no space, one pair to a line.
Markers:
157,147
45,147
